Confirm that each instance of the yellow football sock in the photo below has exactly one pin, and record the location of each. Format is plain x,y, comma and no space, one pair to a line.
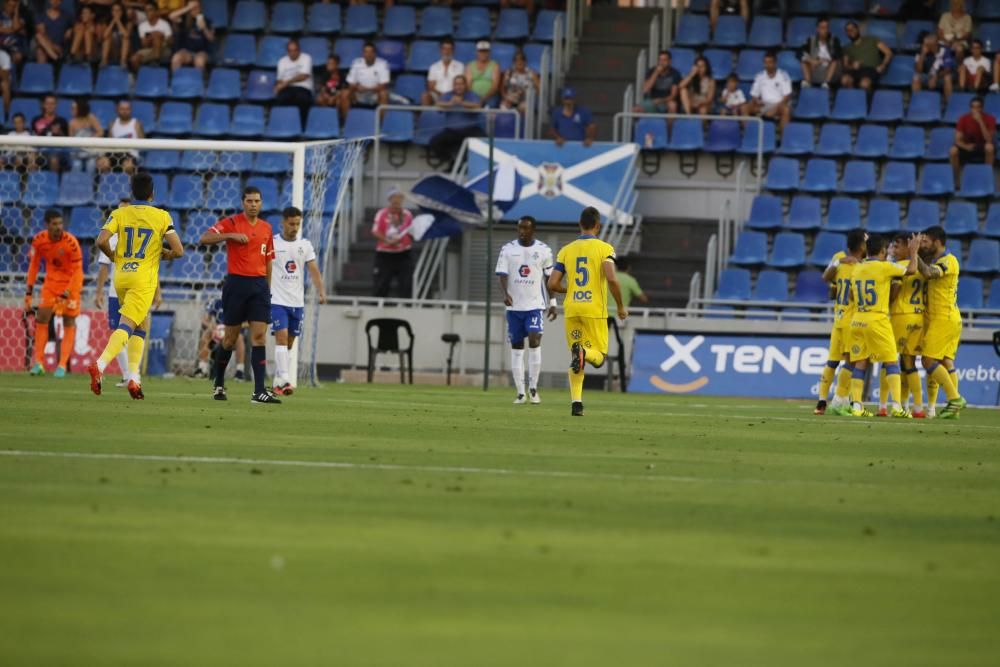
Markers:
943,378
954,377
857,389
593,357
136,344
883,387
576,386
825,381
932,391
843,382
913,381
119,337
894,388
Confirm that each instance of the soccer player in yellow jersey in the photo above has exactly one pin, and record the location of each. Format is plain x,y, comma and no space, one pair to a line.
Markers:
943,321
838,273
871,330
589,266
142,230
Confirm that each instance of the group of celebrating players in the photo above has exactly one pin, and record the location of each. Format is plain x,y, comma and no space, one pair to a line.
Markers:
896,299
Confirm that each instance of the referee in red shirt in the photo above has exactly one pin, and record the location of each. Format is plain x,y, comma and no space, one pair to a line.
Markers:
246,293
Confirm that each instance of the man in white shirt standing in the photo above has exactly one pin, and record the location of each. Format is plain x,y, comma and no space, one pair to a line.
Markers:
771,93
155,35
368,79
523,268
294,86
441,75
291,255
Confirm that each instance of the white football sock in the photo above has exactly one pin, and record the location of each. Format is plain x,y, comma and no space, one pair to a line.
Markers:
203,366
517,369
123,363
534,366
280,363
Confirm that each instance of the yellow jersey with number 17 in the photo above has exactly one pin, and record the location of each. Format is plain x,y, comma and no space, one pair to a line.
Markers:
870,285
942,292
582,262
140,229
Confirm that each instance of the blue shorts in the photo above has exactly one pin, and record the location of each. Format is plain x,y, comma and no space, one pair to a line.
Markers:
114,317
520,323
245,299
286,317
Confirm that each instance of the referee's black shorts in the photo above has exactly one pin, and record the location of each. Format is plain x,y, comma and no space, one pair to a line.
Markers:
245,299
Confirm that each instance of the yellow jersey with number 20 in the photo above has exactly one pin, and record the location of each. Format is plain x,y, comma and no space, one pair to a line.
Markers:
582,262
140,229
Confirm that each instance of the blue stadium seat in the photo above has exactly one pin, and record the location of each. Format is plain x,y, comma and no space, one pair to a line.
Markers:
899,74
152,83
970,293
429,123
110,189
907,143
898,179
112,81
360,123
782,174
284,123
789,251
749,63
217,12
651,134
223,85
825,246
883,30
348,49
474,23
76,188
990,32
992,226
765,213
961,219
752,139
765,32
834,140
923,213
686,135
805,214
797,140
887,106
883,216
399,21
248,121
810,287
323,19
536,53
24,105
512,25
322,123
410,86
954,246
393,52
145,111
218,266
503,54
751,248
317,48
260,86
75,80
940,143
186,84
723,136
239,51
397,127
984,257
435,22
161,160
683,59
249,16
199,161
844,214
104,110
692,30
36,79
800,28
850,105
223,193
957,106
268,187
465,52
936,180
978,181
271,49
730,31
813,104
994,300
792,64
10,187
925,107
273,163
859,177
734,284
545,25
820,176
771,286
911,33
161,187
288,18
85,220
423,54
176,119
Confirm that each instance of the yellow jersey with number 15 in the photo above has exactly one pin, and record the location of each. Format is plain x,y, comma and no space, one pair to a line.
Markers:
870,285
140,229
582,262
942,293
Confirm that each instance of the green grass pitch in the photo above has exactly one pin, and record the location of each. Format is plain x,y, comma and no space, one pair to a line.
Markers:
391,526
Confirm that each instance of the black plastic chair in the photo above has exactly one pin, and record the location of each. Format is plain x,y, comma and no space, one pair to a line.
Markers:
388,341
452,339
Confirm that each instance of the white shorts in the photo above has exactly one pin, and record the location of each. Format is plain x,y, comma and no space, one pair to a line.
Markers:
4,61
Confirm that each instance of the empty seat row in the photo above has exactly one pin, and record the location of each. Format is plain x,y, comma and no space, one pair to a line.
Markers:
909,142
851,104
686,135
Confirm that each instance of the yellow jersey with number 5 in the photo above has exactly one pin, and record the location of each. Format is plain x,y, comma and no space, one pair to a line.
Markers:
140,229
582,262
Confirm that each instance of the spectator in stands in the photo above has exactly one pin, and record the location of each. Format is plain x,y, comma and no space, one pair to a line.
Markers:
13,37
124,126
459,125
334,86
975,135
933,66
771,93
368,79
155,37
732,98
820,56
660,91
483,75
195,37
572,122
52,29
84,124
866,59
698,88
116,41
5,69
83,36
441,75
50,124
294,85
974,74
392,250
22,158
955,29
516,83
727,8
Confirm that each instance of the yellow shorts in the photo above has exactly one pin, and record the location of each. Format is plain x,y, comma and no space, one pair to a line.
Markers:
135,302
908,330
591,332
872,339
840,338
941,338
